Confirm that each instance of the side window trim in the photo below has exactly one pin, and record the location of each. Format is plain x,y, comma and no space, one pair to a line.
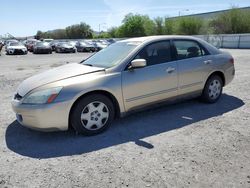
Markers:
202,48
171,55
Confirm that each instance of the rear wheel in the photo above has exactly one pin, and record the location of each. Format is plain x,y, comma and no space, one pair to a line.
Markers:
213,89
92,114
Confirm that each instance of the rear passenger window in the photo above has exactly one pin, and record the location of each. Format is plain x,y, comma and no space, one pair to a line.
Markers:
188,49
156,53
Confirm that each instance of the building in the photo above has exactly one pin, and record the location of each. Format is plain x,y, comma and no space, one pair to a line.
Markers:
211,15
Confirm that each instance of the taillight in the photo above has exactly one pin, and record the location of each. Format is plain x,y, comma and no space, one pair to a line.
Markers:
231,60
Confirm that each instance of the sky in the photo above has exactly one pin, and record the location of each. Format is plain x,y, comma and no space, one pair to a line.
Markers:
26,17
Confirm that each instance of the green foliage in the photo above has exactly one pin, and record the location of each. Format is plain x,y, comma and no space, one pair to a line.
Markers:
76,31
112,32
136,25
79,31
102,35
133,26
188,26
159,26
168,26
233,21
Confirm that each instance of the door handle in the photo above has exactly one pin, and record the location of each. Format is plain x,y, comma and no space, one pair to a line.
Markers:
170,69
207,62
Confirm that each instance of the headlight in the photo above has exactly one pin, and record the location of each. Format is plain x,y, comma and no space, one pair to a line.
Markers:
42,97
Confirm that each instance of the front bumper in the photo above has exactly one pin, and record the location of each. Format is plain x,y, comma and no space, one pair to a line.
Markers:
17,51
45,117
42,50
68,50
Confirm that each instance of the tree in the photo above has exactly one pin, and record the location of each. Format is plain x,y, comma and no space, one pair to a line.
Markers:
168,26
135,26
188,26
77,31
112,32
159,26
233,21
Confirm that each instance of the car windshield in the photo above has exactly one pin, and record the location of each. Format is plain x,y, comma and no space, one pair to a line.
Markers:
42,44
84,43
15,44
48,40
112,55
64,43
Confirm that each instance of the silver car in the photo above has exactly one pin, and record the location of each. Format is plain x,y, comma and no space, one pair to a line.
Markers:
15,48
126,76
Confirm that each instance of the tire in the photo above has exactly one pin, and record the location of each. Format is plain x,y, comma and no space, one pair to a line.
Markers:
212,90
87,116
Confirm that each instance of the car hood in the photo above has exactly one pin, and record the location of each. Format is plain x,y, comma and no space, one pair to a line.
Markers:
16,47
53,75
67,46
42,47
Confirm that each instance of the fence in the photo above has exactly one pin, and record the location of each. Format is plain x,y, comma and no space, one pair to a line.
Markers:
228,40
222,40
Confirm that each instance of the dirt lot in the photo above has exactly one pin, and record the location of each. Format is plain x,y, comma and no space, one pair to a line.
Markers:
189,144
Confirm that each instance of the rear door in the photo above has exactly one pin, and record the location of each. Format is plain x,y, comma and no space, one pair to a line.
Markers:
194,63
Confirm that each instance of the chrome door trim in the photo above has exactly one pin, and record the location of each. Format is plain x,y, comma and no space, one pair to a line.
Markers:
191,85
151,94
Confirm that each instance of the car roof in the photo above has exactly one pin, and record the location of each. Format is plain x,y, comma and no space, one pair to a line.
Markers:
149,39
156,38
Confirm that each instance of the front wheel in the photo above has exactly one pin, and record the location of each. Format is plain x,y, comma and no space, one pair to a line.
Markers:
92,114
212,90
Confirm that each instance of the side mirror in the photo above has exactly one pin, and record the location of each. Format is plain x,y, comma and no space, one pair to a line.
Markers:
138,63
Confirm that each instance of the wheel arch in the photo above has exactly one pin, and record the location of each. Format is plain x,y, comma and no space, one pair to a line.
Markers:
102,92
218,73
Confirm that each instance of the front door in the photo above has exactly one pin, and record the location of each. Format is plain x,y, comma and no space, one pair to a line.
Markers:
155,82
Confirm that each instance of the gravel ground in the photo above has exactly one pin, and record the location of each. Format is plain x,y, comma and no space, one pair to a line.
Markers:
189,144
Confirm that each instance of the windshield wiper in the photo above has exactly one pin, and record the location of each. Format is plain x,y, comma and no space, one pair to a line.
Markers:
88,65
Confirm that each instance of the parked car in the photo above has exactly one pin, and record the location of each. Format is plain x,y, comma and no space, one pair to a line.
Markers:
42,48
13,48
30,44
121,78
111,41
64,47
73,43
53,44
100,45
83,46
6,42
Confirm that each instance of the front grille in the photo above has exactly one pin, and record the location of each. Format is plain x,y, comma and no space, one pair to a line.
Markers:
17,97
18,51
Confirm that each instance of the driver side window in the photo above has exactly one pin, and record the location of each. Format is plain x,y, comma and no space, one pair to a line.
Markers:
156,53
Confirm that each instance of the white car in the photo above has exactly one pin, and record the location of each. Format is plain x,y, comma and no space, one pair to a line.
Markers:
16,48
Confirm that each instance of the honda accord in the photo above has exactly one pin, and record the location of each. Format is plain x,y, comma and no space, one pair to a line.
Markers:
125,76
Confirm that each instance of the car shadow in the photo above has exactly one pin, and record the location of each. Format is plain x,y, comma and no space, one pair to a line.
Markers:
133,128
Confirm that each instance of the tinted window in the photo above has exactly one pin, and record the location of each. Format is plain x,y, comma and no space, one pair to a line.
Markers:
188,49
156,53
